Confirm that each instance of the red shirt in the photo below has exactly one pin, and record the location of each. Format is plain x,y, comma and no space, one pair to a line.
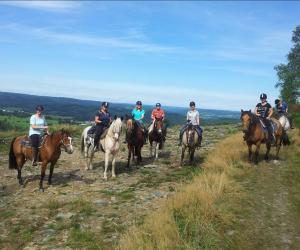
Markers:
157,114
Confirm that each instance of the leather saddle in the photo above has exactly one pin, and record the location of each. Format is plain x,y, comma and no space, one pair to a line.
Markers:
91,132
26,142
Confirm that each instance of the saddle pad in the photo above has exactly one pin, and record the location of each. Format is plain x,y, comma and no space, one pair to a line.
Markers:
26,142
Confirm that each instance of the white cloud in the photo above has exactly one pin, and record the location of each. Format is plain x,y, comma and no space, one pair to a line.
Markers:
53,6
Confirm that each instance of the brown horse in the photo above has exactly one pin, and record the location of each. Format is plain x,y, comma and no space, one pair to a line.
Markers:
49,153
254,134
157,135
135,140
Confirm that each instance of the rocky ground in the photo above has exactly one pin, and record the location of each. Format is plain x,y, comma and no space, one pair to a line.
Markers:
80,209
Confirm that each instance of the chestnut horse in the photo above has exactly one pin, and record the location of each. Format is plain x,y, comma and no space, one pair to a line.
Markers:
156,135
134,139
254,134
49,153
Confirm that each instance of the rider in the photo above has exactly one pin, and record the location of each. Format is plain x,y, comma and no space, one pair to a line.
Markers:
138,114
282,109
38,127
102,120
193,118
264,110
157,113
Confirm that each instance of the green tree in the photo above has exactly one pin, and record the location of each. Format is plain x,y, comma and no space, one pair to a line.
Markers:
289,74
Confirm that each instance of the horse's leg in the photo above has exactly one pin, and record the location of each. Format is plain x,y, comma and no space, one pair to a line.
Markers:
151,145
106,165
156,150
256,153
249,152
51,172
43,171
268,145
91,157
113,163
192,155
20,162
278,145
129,156
182,154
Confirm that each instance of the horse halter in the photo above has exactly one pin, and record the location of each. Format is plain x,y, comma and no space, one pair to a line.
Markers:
250,122
68,145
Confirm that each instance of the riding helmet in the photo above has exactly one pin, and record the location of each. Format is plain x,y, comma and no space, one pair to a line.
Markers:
105,104
192,104
158,104
138,103
277,101
39,108
263,96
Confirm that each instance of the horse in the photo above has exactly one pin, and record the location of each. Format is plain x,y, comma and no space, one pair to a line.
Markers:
49,152
156,135
134,139
190,140
254,134
109,144
285,123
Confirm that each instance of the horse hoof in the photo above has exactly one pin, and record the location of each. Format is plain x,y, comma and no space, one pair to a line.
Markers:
105,178
41,190
113,176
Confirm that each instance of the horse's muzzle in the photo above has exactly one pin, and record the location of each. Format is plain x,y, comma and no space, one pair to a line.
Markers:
69,149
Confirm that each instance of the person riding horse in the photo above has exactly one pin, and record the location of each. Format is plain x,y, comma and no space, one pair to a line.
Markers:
193,118
138,114
157,113
38,127
102,120
282,109
264,111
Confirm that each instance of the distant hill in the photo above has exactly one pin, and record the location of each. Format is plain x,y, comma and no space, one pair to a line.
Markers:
84,110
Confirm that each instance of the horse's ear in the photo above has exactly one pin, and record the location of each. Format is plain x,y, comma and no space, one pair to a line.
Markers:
242,110
249,110
115,118
121,118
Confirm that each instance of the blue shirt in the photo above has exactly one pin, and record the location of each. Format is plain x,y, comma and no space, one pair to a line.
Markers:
103,117
38,121
282,109
137,114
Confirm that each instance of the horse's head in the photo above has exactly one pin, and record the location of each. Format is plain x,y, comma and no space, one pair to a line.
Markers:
246,119
66,141
117,127
158,125
129,123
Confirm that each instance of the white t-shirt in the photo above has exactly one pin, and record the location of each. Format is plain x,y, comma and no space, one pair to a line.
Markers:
193,116
38,121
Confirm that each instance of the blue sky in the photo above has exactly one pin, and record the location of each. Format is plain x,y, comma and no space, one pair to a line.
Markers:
219,54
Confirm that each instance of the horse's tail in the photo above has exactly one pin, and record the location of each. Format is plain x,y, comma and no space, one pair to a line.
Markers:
285,139
12,163
82,143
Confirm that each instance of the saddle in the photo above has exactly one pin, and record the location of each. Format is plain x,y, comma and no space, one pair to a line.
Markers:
26,142
91,132
273,123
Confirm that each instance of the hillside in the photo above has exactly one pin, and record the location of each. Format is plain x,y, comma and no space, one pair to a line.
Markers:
84,110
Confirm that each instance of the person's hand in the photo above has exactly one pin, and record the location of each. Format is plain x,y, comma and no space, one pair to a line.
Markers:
268,118
45,127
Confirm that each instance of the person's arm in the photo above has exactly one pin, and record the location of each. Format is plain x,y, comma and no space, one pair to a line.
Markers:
34,126
97,119
163,115
143,115
187,116
271,112
152,115
255,111
198,118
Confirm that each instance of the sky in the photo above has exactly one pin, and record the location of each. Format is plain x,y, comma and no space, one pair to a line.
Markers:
219,54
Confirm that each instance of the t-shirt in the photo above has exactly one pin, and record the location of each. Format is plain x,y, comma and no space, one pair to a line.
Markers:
263,110
137,114
38,121
103,117
282,108
158,113
193,116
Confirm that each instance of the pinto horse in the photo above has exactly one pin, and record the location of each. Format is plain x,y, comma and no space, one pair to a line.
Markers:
49,153
156,134
190,141
134,139
254,134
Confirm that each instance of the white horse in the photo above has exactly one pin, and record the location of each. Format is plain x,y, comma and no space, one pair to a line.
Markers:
285,123
109,143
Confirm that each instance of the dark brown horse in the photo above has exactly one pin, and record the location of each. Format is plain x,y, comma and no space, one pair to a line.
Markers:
157,135
254,134
49,153
135,140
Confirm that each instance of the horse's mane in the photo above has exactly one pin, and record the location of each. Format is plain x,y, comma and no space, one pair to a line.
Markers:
254,118
61,131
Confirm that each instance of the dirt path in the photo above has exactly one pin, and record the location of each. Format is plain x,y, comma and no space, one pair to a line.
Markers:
80,209
269,212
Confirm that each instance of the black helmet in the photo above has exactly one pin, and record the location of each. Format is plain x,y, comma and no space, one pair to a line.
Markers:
277,101
138,103
158,104
39,108
263,96
192,104
105,104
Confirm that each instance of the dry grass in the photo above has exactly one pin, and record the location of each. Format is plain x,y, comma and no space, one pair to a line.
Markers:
192,219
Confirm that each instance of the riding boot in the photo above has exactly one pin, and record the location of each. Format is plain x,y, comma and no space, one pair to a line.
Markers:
34,156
